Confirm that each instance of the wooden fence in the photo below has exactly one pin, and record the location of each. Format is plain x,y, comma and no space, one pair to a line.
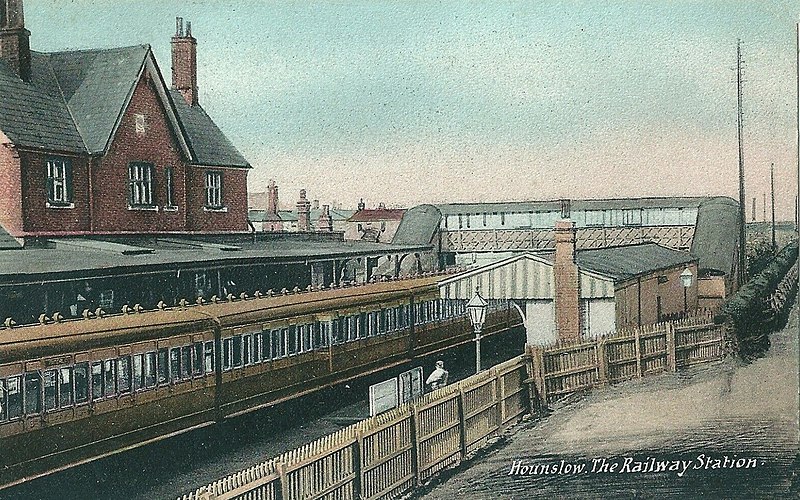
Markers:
390,454
566,368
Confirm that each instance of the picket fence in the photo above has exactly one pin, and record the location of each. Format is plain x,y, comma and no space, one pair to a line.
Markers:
388,455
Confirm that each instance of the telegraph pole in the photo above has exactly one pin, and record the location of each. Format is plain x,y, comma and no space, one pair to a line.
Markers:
742,215
772,189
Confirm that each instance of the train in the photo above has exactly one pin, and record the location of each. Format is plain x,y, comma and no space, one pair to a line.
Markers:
77,390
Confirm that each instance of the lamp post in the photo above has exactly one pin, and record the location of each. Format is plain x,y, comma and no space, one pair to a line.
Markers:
476,308
686,280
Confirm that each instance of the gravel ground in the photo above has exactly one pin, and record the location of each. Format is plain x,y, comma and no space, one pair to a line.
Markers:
726,430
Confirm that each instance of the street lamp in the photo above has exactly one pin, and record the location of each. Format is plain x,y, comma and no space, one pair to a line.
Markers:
476,308
686,280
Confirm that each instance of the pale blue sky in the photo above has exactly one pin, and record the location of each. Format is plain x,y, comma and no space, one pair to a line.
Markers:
409,102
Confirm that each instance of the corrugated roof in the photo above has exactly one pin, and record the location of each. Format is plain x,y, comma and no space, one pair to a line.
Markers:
418,226
716,235
629,261
552,205
377,214
207,142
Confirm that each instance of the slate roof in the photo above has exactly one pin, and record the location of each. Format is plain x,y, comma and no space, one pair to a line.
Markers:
75,99
625,262
377,214
207,142
418,226
716,235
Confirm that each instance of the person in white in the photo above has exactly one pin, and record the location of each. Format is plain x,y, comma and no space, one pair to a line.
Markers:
438,378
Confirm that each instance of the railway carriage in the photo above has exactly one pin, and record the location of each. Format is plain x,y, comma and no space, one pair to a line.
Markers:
79,390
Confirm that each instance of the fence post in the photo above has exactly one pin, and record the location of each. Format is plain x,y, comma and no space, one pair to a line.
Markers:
637,345
415,445
499,392
358,468
602,361
541,381
462,422
283,491
671,363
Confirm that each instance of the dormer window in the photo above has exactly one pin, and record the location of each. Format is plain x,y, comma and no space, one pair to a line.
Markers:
59,182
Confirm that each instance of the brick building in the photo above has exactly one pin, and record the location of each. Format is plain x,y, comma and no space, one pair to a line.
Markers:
94,142
376,225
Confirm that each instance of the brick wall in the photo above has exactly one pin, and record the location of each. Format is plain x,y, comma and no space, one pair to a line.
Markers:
565,276
157,145
234,198
10,190
646,290
38,216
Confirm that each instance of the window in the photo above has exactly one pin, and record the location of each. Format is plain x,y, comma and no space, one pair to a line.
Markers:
150,369
208,364
197,359
110,380
141,124
214,190
65,391
81,382
163,365
33,393
59,181
14,397
97,380
138,372
169,201
50,390
140,182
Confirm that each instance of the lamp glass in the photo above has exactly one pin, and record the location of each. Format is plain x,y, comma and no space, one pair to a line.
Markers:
476,308
686,278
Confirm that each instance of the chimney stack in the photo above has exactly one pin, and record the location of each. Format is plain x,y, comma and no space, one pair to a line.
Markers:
315,205
303,212
567,284
184,61
361,205
325,222
15,47
272,197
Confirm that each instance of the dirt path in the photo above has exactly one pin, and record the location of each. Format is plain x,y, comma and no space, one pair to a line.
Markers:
728,430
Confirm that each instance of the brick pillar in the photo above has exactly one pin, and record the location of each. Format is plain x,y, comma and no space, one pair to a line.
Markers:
15,47
567,285
272,195
325,222
184,62
303,212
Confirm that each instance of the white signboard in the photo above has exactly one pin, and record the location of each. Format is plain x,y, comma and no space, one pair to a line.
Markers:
382,396
411,385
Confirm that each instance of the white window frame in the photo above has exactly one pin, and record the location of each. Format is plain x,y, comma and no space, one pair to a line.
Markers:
140,185
213,189
58,180
169,185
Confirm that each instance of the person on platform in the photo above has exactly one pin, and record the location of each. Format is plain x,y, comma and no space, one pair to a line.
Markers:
438,378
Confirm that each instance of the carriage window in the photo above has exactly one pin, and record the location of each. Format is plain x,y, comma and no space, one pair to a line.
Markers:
175,364
138,371
257,347
197,361
293,340
33,393
150,369
186,362
248,349
265,345
209,357
163,365
81,382
237,350
97,380
279,342
109,370
308,334
382,328
3,401
50,390
227,355
14,396
124,374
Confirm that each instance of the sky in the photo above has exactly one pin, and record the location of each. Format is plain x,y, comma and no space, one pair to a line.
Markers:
410,102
